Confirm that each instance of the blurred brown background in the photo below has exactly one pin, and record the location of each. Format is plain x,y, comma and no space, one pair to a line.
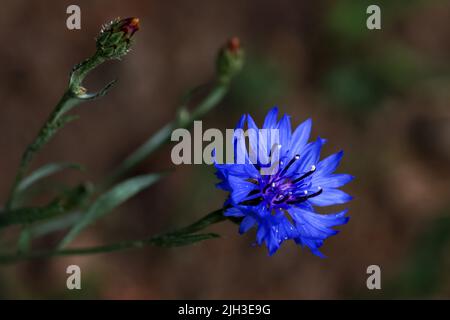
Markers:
382,96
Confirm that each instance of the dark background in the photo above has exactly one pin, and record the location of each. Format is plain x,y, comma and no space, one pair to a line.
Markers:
382,96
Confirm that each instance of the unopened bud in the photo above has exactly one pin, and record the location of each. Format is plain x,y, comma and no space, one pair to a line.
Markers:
230,59
234,44
114,40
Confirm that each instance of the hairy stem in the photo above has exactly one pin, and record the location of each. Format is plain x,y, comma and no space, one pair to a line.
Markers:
48,130
181,237
119,246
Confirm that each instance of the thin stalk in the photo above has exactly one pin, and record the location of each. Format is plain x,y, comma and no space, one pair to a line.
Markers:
41,139
161,137
74,95
115,247
180,237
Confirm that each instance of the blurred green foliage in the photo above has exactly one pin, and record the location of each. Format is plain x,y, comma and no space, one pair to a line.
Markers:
353,87
344,19
365,71
261,83
423,274
359,86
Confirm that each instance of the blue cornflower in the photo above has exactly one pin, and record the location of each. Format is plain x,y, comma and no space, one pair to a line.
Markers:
281,204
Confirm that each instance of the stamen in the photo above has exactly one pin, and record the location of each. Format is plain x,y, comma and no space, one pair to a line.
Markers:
290,163
251,202
251,197
306,197
273,185
279,199
253,192
275,147
252,180
310,172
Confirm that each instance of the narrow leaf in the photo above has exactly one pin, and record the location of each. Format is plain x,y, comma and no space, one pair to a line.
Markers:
70,200
44,172
108,201
54,225
23,244
30,215
120,246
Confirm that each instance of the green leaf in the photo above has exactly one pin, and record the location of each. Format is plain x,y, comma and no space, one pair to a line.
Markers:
30,215
54,225
162,241
182,237
76,197
72,199
108,201
68,201
44,172
24,242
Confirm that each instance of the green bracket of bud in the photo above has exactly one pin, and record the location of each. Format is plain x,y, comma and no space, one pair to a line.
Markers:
230,60
115,38
113,42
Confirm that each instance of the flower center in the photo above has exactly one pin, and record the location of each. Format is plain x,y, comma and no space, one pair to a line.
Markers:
284,188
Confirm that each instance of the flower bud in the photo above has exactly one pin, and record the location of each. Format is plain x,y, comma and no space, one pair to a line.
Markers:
114,40
230,60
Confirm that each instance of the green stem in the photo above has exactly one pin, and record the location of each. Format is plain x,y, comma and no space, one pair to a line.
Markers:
74,95
161,137
56,224
68,100
181,237
120,246
212,218
81,70
184,120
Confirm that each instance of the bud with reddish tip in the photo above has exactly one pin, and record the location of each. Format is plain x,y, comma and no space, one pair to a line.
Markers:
230,60
234,44
129,26
114,40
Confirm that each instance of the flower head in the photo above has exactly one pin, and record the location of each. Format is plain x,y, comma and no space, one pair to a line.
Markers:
281,204
114,40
